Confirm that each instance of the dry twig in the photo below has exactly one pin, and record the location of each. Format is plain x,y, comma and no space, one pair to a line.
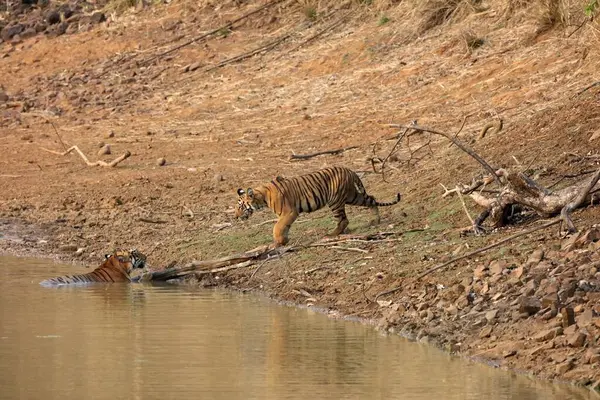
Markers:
320,153
100,163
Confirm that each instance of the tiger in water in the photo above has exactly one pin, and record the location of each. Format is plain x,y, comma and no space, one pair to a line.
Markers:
334,187
115,268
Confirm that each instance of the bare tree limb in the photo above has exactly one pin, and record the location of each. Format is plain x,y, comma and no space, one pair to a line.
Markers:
100,163
457,143
578,201
320,153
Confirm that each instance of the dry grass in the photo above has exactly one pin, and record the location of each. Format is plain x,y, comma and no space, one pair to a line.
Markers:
434,13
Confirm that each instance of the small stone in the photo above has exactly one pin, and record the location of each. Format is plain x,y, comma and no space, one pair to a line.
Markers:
452,310
218,178
105,150
564,367
497,266
3,97
547,335
194,66
570,330
485,332
529,305
79,252
161,161
585,318
518,272
97,17
568,316
578,308
480,271
530,288
491,315
111,134
535,257
68,248
577,339
509,353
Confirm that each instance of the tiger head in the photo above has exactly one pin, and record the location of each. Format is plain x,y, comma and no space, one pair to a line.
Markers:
133,257
248,202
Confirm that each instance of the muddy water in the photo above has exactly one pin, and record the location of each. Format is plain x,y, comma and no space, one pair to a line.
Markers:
164,342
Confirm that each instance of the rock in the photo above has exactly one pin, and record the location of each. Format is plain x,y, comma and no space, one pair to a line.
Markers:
79,252
3,97
530,288
595,135
194,66
10,31
52,17
564,367
570,330
452,310
497,266
535,257
586,318
491,315
486,332
105,150
529,305
577,339
551,301
518,272
591,356
111,134
97,17
509,353
480,271
218,178
546,335
161,161
68,248
568,316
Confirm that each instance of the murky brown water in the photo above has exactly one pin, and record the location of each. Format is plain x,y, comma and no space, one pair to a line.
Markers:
164,342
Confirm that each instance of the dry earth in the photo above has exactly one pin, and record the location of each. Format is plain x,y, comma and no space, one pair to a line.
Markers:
530,305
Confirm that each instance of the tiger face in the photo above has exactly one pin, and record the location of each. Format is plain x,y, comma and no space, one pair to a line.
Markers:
133,256
245,206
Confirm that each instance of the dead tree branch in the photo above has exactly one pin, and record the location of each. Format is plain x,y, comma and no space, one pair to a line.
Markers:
585,89
320,153
210,33
250,53
100,163
456,142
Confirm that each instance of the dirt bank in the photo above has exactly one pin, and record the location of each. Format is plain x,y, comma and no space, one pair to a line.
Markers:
324,78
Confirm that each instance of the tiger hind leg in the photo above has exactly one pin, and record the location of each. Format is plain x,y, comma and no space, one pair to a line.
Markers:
340,215
282,229
376,218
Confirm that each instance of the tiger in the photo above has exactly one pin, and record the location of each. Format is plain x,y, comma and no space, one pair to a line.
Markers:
288,197
115,268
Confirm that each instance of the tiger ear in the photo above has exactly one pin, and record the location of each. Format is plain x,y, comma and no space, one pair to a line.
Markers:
250,192
240,192
106,256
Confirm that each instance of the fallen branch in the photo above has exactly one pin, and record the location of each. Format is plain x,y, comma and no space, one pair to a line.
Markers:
320,153
328,28
209,266
151,221
585,89
210,33
100,163
475,252
355,249
250,53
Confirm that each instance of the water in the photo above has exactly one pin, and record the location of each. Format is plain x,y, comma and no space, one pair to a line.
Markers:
163,342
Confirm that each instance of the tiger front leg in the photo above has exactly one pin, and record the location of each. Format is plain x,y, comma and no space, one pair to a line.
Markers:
282,228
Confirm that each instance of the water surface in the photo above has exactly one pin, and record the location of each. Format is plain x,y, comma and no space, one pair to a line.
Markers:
137,341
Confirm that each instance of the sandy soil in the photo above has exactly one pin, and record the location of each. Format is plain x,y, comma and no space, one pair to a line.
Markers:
530,305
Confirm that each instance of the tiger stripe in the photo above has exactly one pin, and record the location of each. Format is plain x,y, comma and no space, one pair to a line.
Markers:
334,187
115,268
